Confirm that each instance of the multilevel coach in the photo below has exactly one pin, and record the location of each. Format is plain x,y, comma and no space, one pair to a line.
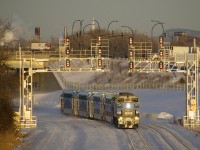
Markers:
121,108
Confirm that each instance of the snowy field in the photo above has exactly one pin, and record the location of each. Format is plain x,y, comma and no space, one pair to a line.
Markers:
157,101
57,131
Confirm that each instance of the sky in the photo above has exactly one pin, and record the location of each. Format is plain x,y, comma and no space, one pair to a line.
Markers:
52,15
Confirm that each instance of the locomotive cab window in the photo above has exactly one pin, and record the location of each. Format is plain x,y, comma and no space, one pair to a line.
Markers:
125,105
119,105
134,99
136,105
119,100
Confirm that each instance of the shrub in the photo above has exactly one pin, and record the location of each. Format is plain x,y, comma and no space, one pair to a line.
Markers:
9,139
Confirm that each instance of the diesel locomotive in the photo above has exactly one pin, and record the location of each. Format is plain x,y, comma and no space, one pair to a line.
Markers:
120,108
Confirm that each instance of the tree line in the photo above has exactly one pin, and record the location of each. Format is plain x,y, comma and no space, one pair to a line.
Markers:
9,81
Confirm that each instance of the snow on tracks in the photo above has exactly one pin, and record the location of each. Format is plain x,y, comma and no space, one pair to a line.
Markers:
166,138
136,140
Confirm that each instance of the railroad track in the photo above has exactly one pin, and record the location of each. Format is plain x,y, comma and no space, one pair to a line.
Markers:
171,140
136,140
186,144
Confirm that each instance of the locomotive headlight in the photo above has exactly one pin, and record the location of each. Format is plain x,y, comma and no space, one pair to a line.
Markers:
128,105
119,112
136,118
136,112
120,118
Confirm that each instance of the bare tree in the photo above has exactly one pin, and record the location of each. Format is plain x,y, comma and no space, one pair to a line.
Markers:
8,81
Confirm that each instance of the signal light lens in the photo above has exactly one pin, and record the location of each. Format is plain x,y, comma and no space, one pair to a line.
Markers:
99,40
99,63
99,52
161,41
130,53
161,65
26,71
131,65
130,41
161,53
67,41
67,63
67,51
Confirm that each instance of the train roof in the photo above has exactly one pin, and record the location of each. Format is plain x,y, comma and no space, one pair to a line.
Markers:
126,97
110,95
126,94
98,94
84,93
68,91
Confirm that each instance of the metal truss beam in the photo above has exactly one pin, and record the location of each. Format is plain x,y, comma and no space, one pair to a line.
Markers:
65,60
186,63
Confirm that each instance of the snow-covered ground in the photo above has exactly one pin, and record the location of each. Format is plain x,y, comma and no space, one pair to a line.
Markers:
57,131
157,101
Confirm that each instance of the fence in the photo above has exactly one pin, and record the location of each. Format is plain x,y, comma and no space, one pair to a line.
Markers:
121,86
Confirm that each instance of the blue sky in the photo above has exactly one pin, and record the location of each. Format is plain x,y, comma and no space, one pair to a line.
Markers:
52,15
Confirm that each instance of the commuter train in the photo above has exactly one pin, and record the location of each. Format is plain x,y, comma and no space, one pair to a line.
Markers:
120,108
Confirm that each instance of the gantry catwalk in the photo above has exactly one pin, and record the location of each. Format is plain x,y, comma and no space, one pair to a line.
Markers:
97,59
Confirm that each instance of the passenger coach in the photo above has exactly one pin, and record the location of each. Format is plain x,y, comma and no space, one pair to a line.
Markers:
121,108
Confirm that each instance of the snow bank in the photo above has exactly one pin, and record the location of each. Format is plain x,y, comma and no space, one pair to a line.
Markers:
165,115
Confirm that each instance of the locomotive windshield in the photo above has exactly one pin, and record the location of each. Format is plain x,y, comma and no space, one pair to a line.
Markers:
134,99
125,105
127,99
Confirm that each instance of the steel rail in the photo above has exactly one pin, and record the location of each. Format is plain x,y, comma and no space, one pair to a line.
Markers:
137,130
129,138
161,135
175,136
